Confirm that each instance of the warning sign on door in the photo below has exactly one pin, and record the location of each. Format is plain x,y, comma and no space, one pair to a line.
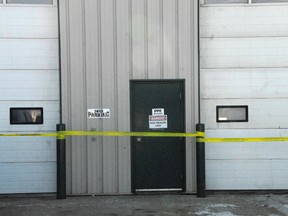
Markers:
158,111
158,121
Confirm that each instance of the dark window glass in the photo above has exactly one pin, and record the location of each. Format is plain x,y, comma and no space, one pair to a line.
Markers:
225,1
268,1
24,115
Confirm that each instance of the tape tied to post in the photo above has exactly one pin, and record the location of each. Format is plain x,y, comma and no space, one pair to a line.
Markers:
253,139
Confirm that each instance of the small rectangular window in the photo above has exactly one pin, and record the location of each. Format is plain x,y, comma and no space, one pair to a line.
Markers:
29,1
232,113
268,1
225,1
25,115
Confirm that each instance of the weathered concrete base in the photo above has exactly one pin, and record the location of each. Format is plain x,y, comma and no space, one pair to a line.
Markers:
164,205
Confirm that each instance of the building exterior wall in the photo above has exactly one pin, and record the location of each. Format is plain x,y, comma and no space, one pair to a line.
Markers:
104,44
107,43
29,77
244,62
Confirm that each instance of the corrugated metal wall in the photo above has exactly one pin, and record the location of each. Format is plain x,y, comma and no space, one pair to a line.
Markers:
244,61
105,43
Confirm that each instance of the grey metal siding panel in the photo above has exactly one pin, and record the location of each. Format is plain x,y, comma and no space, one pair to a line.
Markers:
170,39
186,54
93,67
123,67
138,36
106,43
109,76
78,97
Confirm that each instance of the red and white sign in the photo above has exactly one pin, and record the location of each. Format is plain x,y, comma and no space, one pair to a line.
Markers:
158,121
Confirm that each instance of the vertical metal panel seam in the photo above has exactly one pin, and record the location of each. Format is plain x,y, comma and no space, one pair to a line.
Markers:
100,54
100,81
69,61
195,59
177,38
192,97
146,38
98,69
59,61
161,14
116,103
199,67
195,47
130,77
85,87
130,41
68,90
191,49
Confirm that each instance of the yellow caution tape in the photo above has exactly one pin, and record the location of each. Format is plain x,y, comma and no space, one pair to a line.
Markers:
25,134
254,139
62,134
143,134
200,136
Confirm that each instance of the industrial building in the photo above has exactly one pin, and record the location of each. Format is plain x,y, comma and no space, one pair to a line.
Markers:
143,65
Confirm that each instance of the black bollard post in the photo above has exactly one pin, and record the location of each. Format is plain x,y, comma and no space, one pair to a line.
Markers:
200,164
61,163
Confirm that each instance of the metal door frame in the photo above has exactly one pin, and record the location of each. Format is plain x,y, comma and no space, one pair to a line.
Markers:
182,84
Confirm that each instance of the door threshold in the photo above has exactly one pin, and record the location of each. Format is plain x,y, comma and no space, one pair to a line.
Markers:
167,191
160,190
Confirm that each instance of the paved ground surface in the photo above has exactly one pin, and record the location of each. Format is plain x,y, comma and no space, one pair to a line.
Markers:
164,205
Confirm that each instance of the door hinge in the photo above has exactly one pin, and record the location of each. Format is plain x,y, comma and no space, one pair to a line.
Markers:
180,96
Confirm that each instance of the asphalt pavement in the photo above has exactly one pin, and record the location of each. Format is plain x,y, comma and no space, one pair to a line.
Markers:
144,205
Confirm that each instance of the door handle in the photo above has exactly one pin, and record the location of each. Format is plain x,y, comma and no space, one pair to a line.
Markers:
138,139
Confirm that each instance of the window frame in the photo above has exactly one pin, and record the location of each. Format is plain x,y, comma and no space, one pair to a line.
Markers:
4,2
218,107
224,3
14,122
249,2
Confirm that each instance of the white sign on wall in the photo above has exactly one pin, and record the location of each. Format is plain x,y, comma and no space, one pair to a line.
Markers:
158,119
158,111
98,113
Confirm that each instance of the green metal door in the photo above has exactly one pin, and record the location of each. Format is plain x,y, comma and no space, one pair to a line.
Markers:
158,163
